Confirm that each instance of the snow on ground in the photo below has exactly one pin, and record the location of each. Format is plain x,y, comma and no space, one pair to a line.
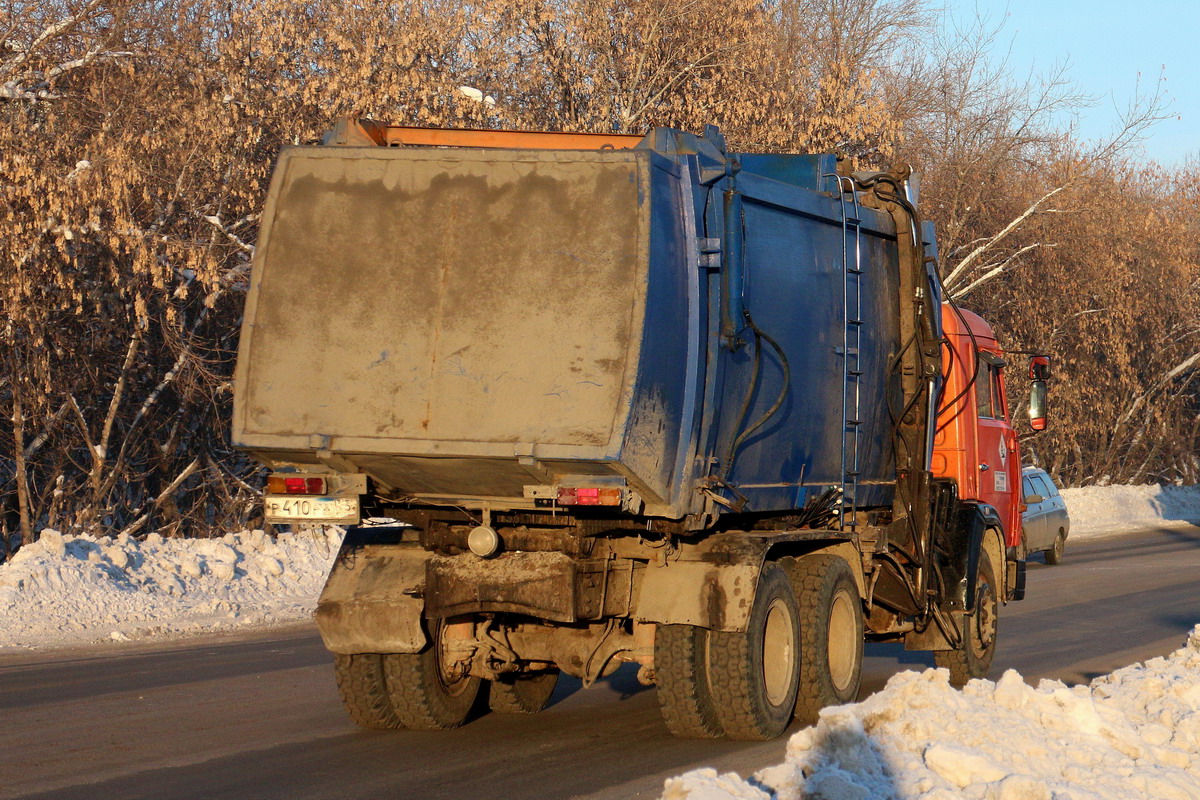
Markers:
1132,734
65,590
1106,510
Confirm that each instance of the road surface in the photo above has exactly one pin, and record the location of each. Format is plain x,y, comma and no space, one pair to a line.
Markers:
258,717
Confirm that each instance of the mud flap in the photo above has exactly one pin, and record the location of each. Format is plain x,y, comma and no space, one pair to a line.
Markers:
372,601
976,527
723,602
1016,579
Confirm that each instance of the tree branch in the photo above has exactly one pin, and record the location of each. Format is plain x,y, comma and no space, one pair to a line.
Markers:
992,241
997,270
137,524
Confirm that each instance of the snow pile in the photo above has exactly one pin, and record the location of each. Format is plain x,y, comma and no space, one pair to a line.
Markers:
1111,509
70,589
1134,733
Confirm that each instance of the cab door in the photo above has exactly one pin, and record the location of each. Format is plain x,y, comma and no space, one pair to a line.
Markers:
998,463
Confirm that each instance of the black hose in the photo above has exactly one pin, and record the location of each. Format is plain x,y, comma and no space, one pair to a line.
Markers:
783,391
759,336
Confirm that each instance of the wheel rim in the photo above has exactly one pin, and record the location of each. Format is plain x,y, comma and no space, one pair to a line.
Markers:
779,653
985,618
842,645
453,682
1058,547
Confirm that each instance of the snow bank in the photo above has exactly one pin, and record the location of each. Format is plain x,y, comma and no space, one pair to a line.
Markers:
1134,733
1100,510
72,589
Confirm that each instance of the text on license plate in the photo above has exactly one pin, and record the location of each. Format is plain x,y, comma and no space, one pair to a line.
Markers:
323,509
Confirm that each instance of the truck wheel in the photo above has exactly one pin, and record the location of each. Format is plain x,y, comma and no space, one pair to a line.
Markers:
754,675
361,683
681,674
522,694
831,634
974,659
426,693
1054,555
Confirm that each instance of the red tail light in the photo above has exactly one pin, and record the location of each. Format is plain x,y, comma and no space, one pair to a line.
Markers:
588,496
279,484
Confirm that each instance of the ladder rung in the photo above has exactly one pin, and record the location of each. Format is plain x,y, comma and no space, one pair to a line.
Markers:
852,375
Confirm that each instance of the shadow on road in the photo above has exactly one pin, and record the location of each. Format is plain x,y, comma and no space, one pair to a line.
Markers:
1151,541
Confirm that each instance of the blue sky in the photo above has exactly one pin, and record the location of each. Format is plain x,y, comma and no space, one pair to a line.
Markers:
1108,44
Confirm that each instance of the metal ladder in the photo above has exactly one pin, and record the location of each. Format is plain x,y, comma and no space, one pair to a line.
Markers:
851,351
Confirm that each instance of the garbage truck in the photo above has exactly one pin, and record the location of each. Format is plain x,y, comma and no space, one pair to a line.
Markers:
590,400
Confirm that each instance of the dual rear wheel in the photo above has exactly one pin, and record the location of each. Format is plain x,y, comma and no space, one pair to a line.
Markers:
426,691
801,651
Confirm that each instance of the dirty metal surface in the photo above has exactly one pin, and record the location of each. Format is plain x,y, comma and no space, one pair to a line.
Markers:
371,601
409,297
539,584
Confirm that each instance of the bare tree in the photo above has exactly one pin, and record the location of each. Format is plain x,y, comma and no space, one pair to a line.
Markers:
138,138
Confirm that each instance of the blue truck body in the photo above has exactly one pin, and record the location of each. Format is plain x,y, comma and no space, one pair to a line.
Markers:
753,364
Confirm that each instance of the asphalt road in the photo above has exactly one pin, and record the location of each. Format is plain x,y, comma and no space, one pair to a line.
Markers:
258,716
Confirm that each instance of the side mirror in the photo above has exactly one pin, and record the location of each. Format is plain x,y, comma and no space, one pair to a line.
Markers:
1037,405
1039,368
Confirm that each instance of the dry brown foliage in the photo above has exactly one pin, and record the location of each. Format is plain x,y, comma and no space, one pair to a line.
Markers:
137,138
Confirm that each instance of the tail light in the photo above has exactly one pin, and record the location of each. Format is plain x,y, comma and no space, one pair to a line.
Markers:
280,484
588,496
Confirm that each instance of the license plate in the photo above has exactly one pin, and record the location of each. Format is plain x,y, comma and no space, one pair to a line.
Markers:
284,508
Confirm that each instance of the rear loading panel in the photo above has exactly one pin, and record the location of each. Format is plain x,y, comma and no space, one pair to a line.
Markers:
467,322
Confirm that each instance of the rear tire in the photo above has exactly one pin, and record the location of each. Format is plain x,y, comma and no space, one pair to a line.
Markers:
363,688
522,694
681,674
1054,555
426,694
754,675
831,634
979,630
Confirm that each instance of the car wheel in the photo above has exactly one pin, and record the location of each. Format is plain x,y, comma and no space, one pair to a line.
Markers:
1054,555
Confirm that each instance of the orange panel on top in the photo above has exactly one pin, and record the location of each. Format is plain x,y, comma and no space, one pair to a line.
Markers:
516,140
